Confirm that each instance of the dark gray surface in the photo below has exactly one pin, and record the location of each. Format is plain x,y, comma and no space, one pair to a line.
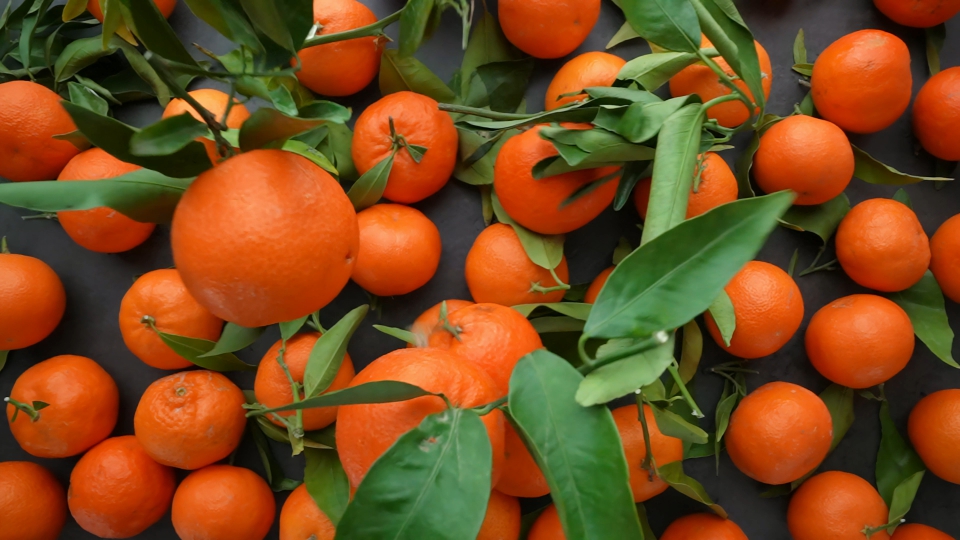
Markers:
95,283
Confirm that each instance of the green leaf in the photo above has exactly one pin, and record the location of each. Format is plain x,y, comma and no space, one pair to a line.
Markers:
726,405
487,45
804,69
500,85
584,111
925,306
625,33
869,169
806,106
672,473
401,334
821,219
654,70
266,17
272,127
899,468
194,349
271,467
328,352
624,376
73,9
721,310
399,73
372,392
288,329
546,251
633,172
416,23
226,18
28,29
691,351
327,483
87,98
799,49
839,401
311,153
642,121
935,37
480,171
745,161
903,197
903,496
233,338
574,310
623,249
671,24
672,424
155,32
111,20
368,189
167,136
337,145
724,27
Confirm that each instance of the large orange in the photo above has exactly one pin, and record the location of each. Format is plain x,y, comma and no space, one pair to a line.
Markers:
703,527
589,69
399,250
82,402
918,13
836,505
768,307
165,6
934,429
881,245
547,526
545,28
862,81
30,115
597,285
502,520
945,257
344,67
542,205
665,450
265,237
419,120
102,229
33,505
498,270
424,325
33,301
223,502
365,432
936,114
521,475
216,102
860,340
301,518
916,531
717,186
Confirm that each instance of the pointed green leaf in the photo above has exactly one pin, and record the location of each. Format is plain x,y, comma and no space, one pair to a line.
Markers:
672,473
327,483
399,73
368,189
167,136
272,127
625,33
820,219
925,306
401,334
721,310
372,392
328,352
671,24
936,36
839,401
87,98
624,376
869,169
546,251
799,49
233,338
654,70
193,350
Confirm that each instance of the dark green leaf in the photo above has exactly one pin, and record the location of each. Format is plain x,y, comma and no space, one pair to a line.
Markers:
266,17
399,73
901,196
546,251
233,338
368,189
899,468
936,36
924,303
487,45
97,88
272,127
155,32
271,467
721,310
625,33
87,98
653,70
633,172
839,401
337,146
401,334
624,376
372,392
579,112
641,122
672,473
799,49
547,325
328,352
672,424
671,24
327,483
194,349
500,85
111,19
226,17
28,29
722,24
821,219
480,171
167,136
644,524
416,24
869,169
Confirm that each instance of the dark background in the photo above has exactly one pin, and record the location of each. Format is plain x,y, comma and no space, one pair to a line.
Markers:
95,283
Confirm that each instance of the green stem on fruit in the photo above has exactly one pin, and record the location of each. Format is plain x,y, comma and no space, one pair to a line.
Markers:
489,407
373,29
444,322
30,409
649,463
675,373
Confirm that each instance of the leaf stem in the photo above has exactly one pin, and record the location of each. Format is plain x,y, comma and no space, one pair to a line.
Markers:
486,409
719,100
649,463
675,373
294,429
373,29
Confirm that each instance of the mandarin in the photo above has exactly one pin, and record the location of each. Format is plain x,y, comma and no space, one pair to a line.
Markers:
545,28
424,325
217,103
223,502
589,69
593,291
30,115
399,250
703,527
502,520
717,186
341,68
916,531
521,476
934,429
32,297
302,519
936,114
33,504
836,505
665,450
945,257
918,13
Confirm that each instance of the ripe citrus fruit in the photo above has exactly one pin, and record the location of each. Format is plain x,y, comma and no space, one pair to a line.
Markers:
918,13
102,229
589,69
665,450
301,518
33,504
165,6
399,250
945,257
881,245
717,186
190,419
33,301
161,296
703,527
424,325
936,114
223,502
344,67
216,102
521,475
916,531
30,115
807,155
272,387
547,526
365,432
81,406
265,237
498,271
768,307
117,491
597,285
544,205
502,520
935,433
548,29
862,81
836,504
419,121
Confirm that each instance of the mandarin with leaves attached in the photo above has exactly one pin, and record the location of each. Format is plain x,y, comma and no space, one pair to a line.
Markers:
716,185
30,116
589,69
424,325
33,504
223,502
218,104
301,518
32,297
703,527
665,449
341,68
934,429
545,28
399,250
836,504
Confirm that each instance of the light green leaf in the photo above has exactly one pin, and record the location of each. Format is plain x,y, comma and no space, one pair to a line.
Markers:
869,169
233,338
625,33
624,376
328,352
672,473
194,349
546,251
368,189
799,49
327,483
653,70
721,310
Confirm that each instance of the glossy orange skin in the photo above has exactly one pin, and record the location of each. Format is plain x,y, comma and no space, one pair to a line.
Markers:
190,419
273,389
807,155
424,325
862,81
701,80
918,13
102,229
83,402
916,531
33,301
216,102
30,115
589,69
881,245
539,204
165,6
836,505
301,518
945,257
703,527
718,185
117,491
934,430
421,122
399,250
498,270
162,295
936,114
521,475
597,285
233,245
346,67
365,432
547,29
223,502
33,504
547,526
768,307
491,336
665,450
860,340
502,520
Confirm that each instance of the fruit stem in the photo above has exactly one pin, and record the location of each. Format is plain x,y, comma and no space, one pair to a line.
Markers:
675,373
373,29
725,79
295,428
31,410
489,407
444,322
718,100
649,463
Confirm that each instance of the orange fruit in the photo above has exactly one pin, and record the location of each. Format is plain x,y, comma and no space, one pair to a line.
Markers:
881,245
717,186
768,307
701,80
542,205
521,475
502,520
547,29
223,502
498,271
945,257
862,81
102,229
33,301
916,531
216,102
836,504
365,432
935,433
161,295
665,450
936,114
345,67
165,6
117,491
597,285
428,320
419,120
918,13
547,526
807,155
860,340
491,336
82,402
703,527
190,419
589,69
273,389
265,237
301,518
399,250
33,505
30,115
